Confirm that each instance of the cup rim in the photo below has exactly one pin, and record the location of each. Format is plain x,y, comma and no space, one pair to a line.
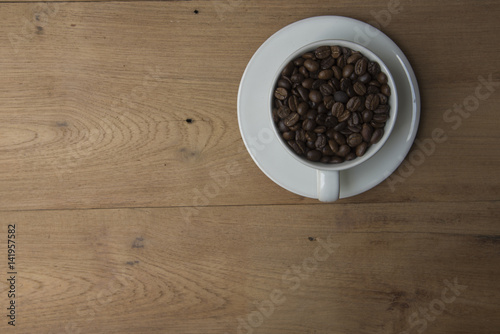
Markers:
393,102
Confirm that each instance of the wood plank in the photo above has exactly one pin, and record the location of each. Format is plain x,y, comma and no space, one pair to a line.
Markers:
146,270
95,100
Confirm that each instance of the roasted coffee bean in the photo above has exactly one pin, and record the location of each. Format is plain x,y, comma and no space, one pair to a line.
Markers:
331,121
354,128
372,89
321,119
321,141
335,84
334,146
386,90
322,109
326,89
377,124
346,132
346,51
380,118
312,114
295,127
323,52
314,155
373,68
328,102
336,51
345,83
309,124
377,135
361,66
300,135
282,127
285,83
361,149
320,129
325,159
318,83
354,139
315,96
340,126
304,93
337,109
276,118
325,74
336,160
343,150
288,70
292,119
344,116
281,93
374,83
353,58
341,61
311,65
297,77
382,78
347,71
365,78
327,63
372,101
310,145
353,77
366,132
382,109
337,72
293,101
311,136
299,149
383,98
289,135
302,108
339,138
356,118
359,88
304,71
307,83
327,151
353,103
350,156
341,96
350,91
367,115
283,112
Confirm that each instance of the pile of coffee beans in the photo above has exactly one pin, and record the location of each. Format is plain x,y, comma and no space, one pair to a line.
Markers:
331,104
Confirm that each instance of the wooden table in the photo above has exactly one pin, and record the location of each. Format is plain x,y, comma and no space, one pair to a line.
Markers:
116,116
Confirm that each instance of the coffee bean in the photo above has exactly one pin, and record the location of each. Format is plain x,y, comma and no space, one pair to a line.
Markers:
353,58
310,145
334,146
341,96
347,71
307,83
303,92
340,126
356,118
346,51
282,127
365,78
276,118
354,139
345,83
304,71
322,109
311,65
336,160
353,77
361,149
383,98
311,136
372,101
339,138
321,141
315,96
317,83
295,127
285,83
325,74
361,66
281,93
321,119
350,156
377,125
292,119
372,89
320,129
302,108
337,73
382,78
328,102
323,52
289,135
327,151
337,109
366,132
314,155
336,51
284,111
343,150
297,77
367,115
325,159
377,135
373,68
341,61
300,135
380,118
344,116
327,63
350,91
312,114
309,124
288,70
386,90
359,88
292,102
382,109
298,149
353,103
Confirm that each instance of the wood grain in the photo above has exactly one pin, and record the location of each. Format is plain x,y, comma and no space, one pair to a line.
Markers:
147,271
116,115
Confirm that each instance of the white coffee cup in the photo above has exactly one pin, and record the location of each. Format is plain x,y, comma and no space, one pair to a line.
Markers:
328,175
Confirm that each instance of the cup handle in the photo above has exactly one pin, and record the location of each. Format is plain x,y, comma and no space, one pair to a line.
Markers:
328,185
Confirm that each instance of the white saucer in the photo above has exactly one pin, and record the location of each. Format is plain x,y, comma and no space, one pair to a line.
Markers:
253,106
